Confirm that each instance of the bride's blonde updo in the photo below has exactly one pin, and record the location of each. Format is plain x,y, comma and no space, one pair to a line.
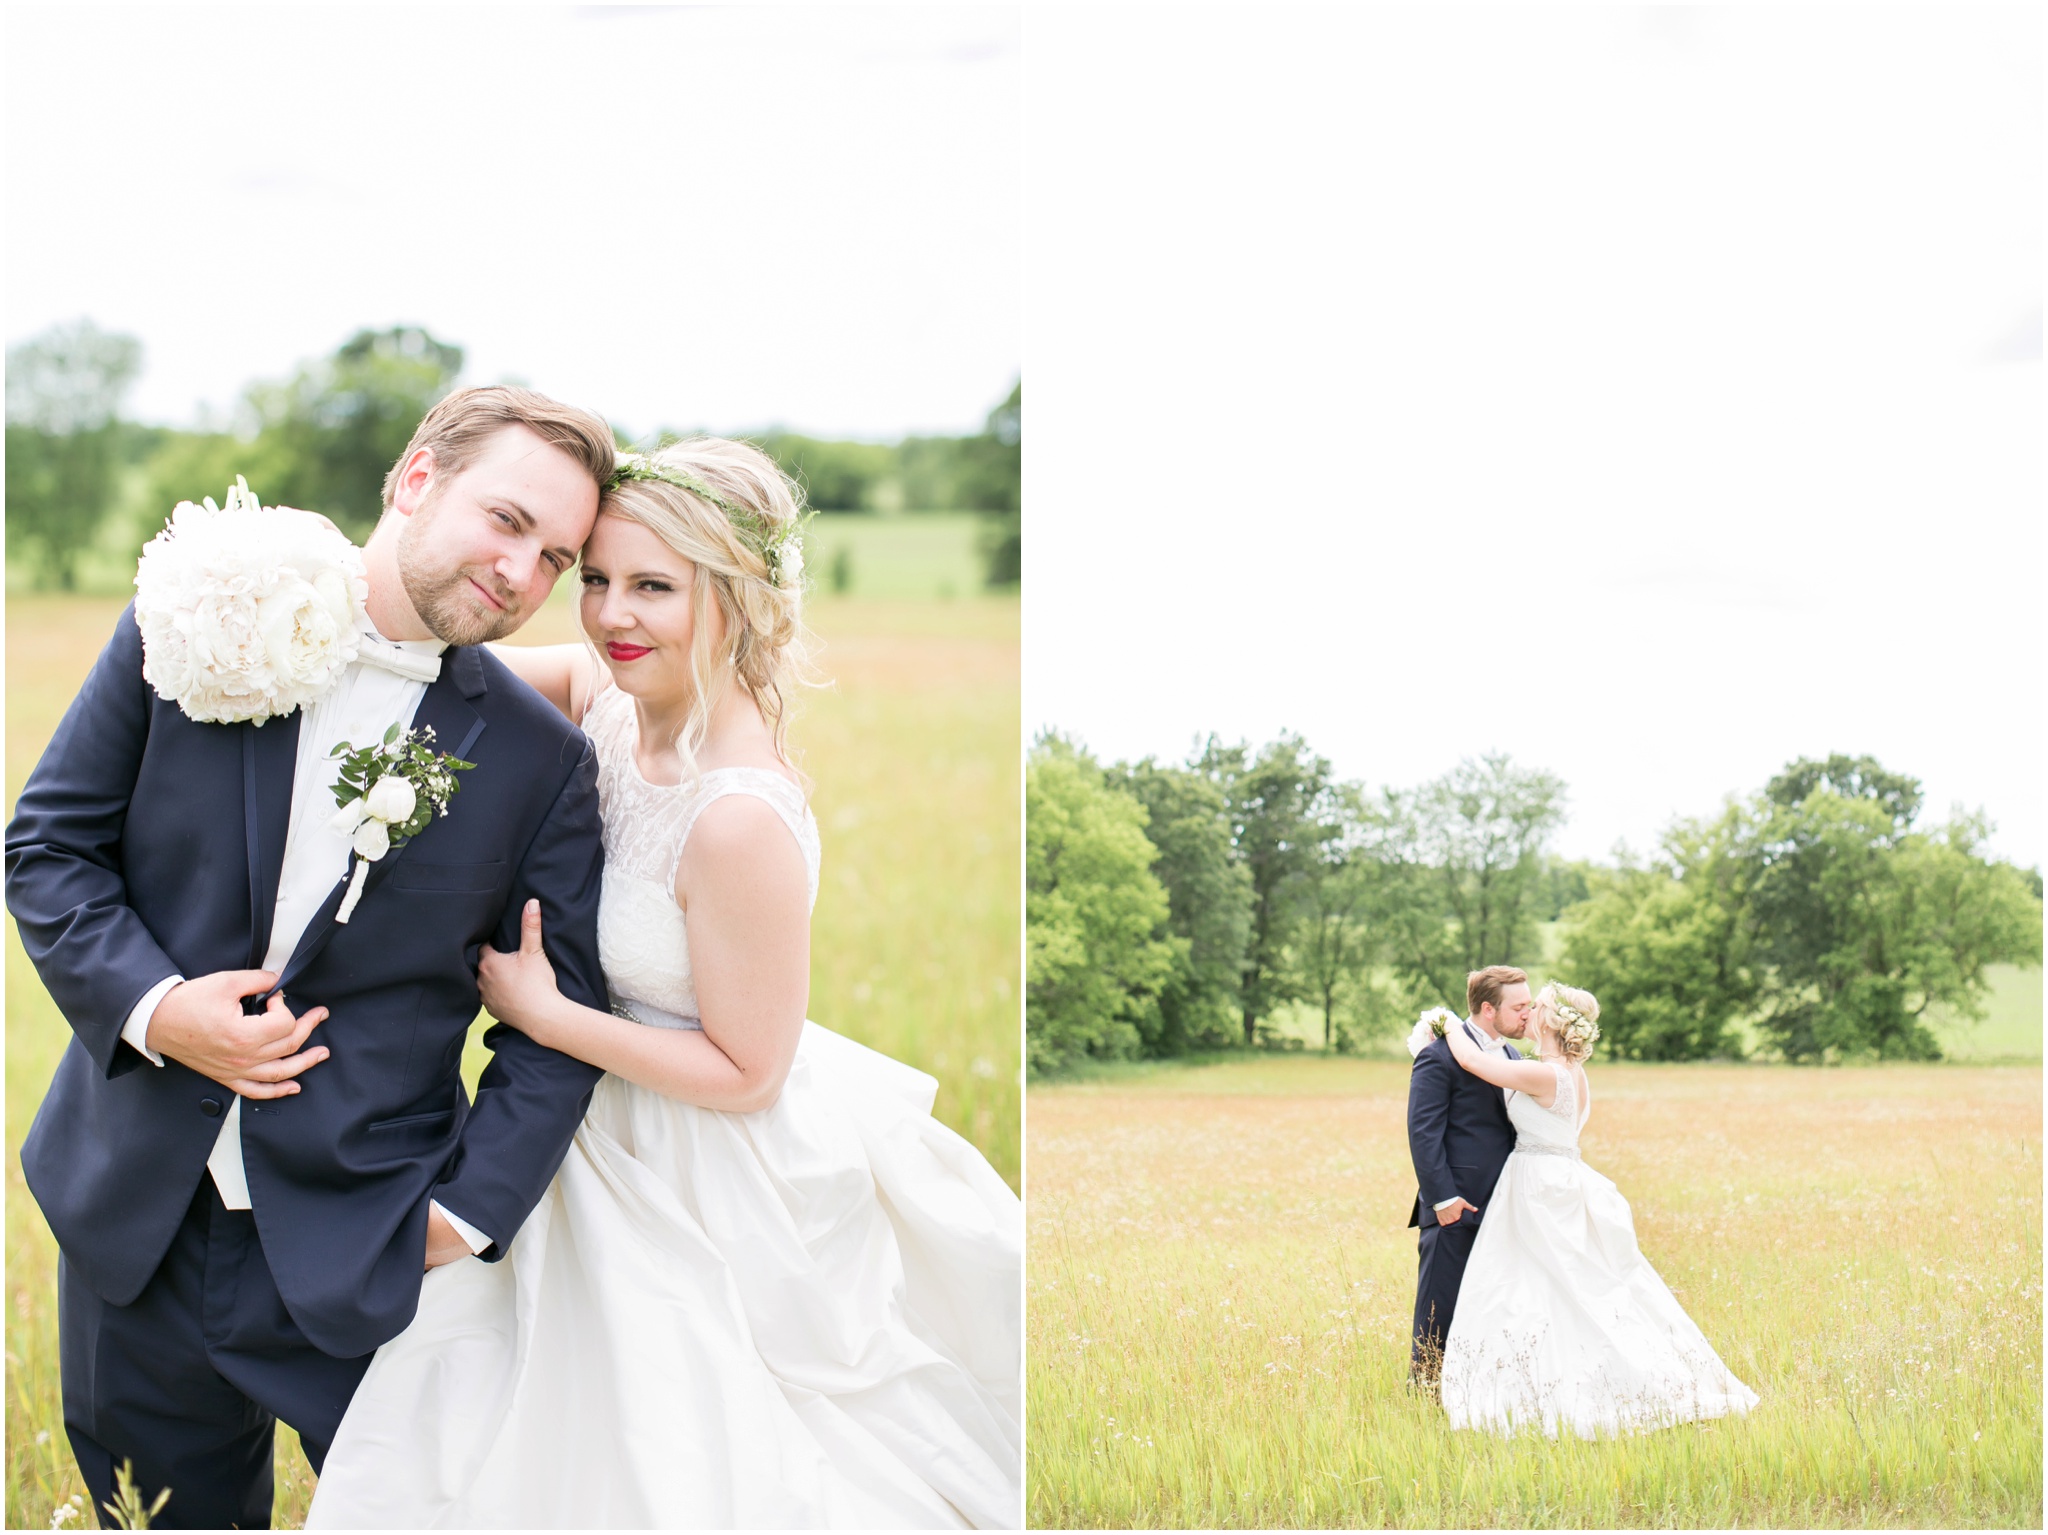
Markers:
739,523
1573,1015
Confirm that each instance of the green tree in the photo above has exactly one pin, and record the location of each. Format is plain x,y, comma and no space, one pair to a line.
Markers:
1334,932
1467,866
994,485
1561,884
65,441
1095,957
836,476
327,436
983,473
1210,896
1863,923
190,466
1283,810
1666,947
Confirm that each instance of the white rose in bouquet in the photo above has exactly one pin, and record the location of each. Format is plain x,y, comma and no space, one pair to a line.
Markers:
247,612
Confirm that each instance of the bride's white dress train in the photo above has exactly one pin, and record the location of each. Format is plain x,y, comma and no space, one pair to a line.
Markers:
1561,1321
802,1317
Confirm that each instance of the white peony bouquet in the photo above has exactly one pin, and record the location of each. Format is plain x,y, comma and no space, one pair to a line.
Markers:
1433,1024
247,612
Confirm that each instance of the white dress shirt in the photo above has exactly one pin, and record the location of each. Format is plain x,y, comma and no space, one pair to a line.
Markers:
365,703
1491,1046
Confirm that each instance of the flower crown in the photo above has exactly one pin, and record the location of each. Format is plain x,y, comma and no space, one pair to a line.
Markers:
780,545
1572,1024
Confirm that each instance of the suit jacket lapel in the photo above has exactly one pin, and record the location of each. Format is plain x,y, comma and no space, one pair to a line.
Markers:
269,764
456,725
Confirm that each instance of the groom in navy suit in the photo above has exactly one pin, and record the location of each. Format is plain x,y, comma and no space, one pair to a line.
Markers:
257,1140
1459,1138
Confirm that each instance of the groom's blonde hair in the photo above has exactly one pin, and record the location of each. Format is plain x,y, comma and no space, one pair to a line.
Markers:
458,428
1484,986
765,647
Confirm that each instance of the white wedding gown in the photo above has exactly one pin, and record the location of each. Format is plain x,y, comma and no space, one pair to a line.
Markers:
807,1316
1561,1321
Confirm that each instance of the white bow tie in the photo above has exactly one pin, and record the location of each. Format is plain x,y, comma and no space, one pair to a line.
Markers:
377,651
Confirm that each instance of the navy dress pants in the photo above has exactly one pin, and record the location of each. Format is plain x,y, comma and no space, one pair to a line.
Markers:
1444,1251
189,1380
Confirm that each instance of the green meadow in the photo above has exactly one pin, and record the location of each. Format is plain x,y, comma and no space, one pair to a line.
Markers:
913,747
1221,1286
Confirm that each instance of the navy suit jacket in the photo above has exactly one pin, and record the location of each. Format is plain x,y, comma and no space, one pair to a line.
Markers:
146,845
1459,1134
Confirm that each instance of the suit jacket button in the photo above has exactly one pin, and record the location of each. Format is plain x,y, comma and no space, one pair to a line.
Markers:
210,1107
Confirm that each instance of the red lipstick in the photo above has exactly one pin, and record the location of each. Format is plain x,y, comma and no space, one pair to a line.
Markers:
619,652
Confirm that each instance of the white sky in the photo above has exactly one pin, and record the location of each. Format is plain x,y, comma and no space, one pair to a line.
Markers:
724,218
1653,393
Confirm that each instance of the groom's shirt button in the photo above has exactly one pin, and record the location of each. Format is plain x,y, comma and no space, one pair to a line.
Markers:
210,1107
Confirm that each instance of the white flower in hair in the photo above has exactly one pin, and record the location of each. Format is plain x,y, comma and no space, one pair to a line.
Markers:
247,612
786,566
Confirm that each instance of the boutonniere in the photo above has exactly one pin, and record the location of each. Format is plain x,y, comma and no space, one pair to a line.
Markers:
1433,1024
388,793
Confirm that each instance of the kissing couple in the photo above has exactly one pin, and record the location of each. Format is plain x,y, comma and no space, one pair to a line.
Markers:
1534,1307
687,1259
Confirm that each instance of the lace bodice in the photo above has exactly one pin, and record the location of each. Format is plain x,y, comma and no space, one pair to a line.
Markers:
641,935
1557,1125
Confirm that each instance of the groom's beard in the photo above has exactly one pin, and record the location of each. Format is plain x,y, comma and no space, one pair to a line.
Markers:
451,609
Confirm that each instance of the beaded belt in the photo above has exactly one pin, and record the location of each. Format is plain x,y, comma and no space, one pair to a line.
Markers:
1544,1149
654,1017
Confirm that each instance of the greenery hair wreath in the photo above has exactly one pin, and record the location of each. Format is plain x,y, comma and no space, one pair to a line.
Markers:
780,548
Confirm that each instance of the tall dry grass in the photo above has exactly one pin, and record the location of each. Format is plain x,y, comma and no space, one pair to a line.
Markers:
914,750
1221,1288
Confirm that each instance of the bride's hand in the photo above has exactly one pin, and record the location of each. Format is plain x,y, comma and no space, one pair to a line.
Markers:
1462,1048
519,988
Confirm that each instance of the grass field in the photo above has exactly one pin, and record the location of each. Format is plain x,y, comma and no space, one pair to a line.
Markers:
914,554
1221,1287
914,751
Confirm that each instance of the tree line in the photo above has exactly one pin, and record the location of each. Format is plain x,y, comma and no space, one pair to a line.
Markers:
81,478
1176,908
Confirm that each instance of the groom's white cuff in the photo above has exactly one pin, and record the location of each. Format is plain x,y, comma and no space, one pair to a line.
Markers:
136,1029
476,1239
1445,1204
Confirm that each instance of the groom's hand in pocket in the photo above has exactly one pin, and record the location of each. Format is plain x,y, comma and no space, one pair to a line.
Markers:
444,1242
200,1024
1448,1215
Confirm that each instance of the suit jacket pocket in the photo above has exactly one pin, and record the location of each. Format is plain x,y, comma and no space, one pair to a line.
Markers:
439,1119
447,877
1468,1181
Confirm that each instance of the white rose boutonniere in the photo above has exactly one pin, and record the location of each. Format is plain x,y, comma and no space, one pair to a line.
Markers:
388,793
1431,1025
247,612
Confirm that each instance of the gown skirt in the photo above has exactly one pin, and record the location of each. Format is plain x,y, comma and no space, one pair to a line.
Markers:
803,1317
1562,1324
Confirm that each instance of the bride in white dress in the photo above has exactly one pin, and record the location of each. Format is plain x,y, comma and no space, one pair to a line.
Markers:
767,1288
1561,1321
